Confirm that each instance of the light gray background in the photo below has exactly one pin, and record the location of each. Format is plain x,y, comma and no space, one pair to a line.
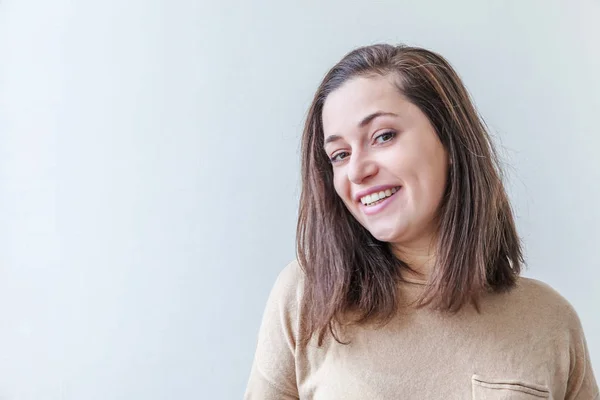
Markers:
149,171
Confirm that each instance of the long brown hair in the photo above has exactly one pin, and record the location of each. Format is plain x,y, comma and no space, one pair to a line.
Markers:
478,249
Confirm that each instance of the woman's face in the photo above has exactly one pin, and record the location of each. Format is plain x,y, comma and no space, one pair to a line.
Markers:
389,166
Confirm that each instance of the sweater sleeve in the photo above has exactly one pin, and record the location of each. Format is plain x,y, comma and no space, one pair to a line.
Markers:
273,373
582,383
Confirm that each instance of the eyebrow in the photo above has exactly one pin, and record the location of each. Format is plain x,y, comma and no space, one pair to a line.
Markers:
365,121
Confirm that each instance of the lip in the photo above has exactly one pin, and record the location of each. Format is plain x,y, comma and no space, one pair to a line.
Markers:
372,210
374,189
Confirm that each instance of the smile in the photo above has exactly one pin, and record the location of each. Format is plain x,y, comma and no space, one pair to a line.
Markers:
378,197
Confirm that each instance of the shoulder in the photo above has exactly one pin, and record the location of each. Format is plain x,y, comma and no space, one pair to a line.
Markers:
289,282
543,300
291,275
535,306
273,372
549,321
286,292
541,294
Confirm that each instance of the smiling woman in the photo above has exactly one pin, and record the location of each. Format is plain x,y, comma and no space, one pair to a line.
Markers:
408,280
394,149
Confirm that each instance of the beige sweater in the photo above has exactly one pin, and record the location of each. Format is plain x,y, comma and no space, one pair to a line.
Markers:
526,344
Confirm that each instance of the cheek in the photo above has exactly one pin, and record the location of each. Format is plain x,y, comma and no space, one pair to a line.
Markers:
441,175
436,186
427,180
339,186
342,189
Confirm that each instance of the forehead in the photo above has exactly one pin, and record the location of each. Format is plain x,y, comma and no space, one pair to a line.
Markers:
346,106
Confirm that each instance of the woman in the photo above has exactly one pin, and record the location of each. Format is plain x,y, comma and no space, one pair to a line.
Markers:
407,282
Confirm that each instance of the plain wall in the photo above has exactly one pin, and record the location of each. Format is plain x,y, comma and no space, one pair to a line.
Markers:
149,171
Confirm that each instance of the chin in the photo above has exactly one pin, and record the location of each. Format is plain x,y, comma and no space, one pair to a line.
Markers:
385,234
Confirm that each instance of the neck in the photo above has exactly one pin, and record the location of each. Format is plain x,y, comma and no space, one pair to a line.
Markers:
420,258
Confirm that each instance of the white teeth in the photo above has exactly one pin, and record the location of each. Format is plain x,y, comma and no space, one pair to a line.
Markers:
372,198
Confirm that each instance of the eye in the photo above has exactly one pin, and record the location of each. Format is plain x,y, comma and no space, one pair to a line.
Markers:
385,137
339,156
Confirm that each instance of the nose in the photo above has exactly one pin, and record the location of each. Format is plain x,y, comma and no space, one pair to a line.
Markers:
361,168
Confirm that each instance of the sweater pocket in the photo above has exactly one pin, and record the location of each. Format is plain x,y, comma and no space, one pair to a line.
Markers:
507,389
